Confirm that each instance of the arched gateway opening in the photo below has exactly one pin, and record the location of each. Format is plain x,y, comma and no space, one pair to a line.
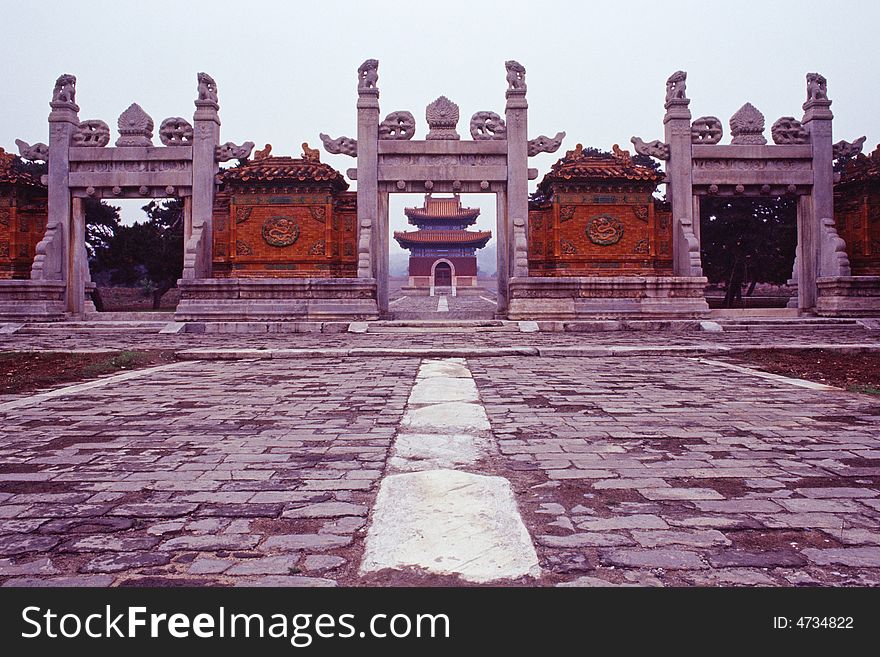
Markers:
390,161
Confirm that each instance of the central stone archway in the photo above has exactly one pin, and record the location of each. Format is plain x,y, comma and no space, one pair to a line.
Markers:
389,161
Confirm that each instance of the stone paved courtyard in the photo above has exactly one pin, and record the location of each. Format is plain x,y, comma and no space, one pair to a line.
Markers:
632,470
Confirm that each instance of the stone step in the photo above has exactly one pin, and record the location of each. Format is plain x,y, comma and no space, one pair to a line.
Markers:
54,328
133,316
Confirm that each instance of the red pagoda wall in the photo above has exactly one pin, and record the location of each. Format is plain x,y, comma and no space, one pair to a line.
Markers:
23,217
280,217
608,234
464,266
857,213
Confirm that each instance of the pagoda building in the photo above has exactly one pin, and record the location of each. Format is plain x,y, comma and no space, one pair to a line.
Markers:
442,250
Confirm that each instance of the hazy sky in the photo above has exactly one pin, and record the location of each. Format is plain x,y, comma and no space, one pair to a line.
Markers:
287,70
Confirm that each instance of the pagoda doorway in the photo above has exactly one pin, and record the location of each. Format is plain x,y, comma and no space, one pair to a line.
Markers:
443,275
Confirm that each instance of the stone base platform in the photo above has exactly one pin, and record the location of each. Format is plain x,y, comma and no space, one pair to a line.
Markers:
290,299
607,297
849,296
27,301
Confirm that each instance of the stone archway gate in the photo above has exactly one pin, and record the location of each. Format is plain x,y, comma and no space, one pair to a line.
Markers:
389,160
799,163
82,165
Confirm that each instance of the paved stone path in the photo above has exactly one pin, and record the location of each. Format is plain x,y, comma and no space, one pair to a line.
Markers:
640,470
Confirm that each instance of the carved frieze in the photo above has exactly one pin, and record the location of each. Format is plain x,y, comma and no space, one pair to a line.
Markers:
706,130
176,131
641,247
280,231
747,126
242,248
137,166
135,127
93,132
340,146
752,165
545,144
641,212
398,125
604,230
442,116
318,248
566,212
242,215
487,125
318,213
788,130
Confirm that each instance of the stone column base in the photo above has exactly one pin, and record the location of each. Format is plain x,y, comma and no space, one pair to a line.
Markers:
848,296
32,301
277,300
607,297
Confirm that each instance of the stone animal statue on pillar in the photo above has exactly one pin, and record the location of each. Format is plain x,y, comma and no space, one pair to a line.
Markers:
817,87
368,75
516,76
65,89
207,88
676,86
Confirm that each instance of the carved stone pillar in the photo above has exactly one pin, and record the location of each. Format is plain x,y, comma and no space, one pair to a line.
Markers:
679,170
375,263
822,251
78,263
197,254
517,201
52,260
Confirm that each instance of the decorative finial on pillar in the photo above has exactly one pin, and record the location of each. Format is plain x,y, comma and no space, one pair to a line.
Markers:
206,103
368,76
64,93
516,78
817,105
677,102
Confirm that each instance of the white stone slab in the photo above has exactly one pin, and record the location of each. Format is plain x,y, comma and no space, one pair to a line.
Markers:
443,305
358,327
449,417
440,389
449,523
528,327
711,327
434,451
447,368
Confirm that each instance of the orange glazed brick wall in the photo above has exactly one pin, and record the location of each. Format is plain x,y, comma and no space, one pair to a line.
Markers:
857,212
281,217
23,216
595,215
